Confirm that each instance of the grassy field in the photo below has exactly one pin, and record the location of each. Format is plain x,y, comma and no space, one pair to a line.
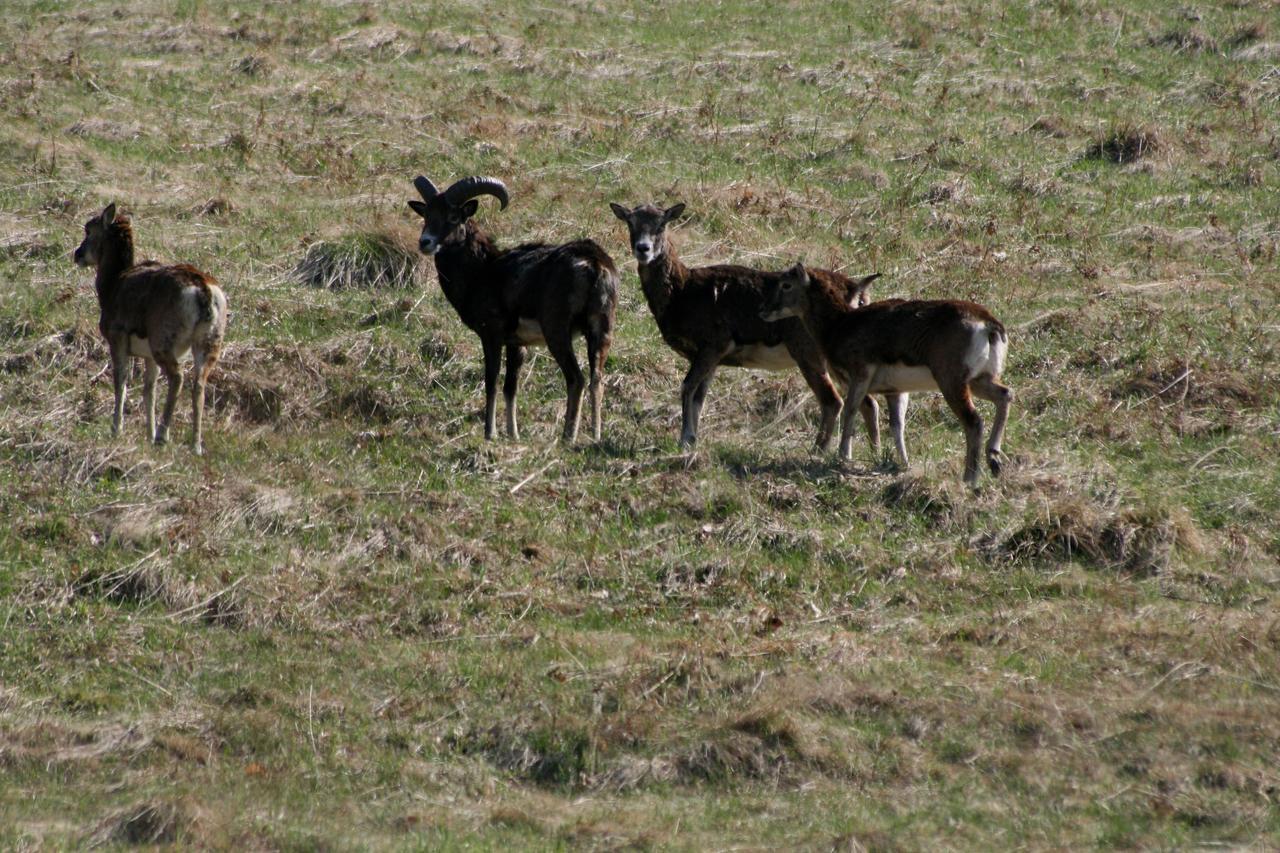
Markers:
355,624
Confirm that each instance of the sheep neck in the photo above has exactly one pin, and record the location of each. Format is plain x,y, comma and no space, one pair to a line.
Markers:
462,266
661,278
116,256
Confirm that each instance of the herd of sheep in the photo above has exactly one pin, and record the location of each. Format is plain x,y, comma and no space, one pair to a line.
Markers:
819,321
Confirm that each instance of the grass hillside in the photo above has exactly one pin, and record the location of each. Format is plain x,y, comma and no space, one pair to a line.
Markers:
354,623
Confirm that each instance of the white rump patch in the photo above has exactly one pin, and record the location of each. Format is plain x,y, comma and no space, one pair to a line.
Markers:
529,333
981,357
998,350
190,307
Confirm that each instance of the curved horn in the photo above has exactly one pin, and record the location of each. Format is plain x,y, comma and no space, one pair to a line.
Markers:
468,188
425,188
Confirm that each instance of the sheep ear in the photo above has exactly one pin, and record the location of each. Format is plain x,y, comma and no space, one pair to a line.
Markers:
469,209
109,215
418,208
620,211
862,291
673,212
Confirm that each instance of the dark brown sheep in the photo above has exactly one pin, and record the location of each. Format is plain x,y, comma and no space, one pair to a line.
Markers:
531,294
900,346
711,316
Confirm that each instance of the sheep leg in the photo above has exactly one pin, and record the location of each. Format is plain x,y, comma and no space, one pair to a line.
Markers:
693,392
562,351
199,375
897,423
828,400
149,397
510,384
174,376
120,379
492,362
960,400
871,417
859,383
597,352
988,388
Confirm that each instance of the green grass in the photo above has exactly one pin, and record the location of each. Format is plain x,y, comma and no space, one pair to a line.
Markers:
356,624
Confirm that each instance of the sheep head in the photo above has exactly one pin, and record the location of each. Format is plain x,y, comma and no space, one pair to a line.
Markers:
444,214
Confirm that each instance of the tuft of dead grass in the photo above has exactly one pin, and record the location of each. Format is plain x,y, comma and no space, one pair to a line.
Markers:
1050,126
1125,143
105,129
1202,385
552,755
251,66
1185,40
943,191
148,823
1267,51
1139,541
213,207
369,259
367,403
267,385
942,503
1248,34
148,581
29,246
259,399
730,754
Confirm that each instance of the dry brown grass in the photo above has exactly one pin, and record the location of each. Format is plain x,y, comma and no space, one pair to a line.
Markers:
144,824
354,623
1126,143
1185,39
369,260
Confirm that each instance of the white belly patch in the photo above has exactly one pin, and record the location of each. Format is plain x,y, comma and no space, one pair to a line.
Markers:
139,347
900,377
529,333
761,357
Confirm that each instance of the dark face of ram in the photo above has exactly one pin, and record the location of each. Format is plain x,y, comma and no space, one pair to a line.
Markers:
646,226
442,222
445,214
